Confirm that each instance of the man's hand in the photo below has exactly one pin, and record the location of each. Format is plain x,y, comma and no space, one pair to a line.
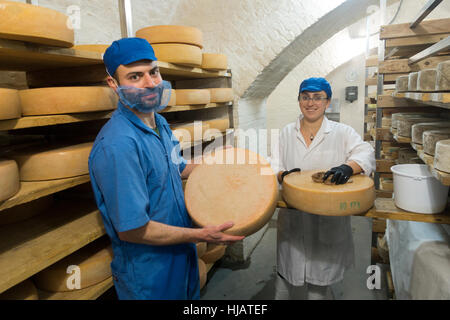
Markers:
340,174
214,234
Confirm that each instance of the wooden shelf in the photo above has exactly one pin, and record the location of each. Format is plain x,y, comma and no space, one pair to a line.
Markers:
41,121
32,245
90,293
30,191
386,209
401,139
443,177
436,99
196,107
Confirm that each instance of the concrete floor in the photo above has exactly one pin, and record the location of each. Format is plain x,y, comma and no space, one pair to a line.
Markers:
255,279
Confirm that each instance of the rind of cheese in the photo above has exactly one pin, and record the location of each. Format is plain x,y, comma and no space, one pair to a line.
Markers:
98,48
300,192
443,76
412,81
401,115
232,185
404,125
9,179
190,131
26,290
173,98
26,211
201,248
221,125
426,80
61,100
193,96
214,253
431,137
93,260
177,53
401,83
214,61
10,104
51,162
221,94
171,34
442,155
30,23
202,273
418,129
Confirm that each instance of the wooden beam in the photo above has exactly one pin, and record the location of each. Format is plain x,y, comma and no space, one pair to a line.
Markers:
384,165
441,46
372,61
388,101
384,134
430,27
402,66
415,42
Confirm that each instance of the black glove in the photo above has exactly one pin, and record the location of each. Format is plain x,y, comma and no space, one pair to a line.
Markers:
340,174
285,173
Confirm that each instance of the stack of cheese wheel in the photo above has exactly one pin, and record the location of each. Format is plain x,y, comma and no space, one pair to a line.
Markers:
412,81
9,179
401,83
10,104
443,76
62,100
404,125
418,129
431,137
232,185
213,253
214,61
26,211
442,156
189,132
219,95
176,44
49,162
302,193
25,290
26,22
93,260
426,80
192,97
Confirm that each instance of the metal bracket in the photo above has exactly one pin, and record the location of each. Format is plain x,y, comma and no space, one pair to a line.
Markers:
440,46
126,19
429,6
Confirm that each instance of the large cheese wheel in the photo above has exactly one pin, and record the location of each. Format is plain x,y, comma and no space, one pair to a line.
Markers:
25,290
443,76
418,129
412,81
25,22
9,179
401,115
401,83
177,53
93,260
173,98
232,185
189,131
214,61
442,156
219,124
301,192
426,80
172,34
201,248
61,100
98,48
26,211
193,96
51,162
431,137
9,104
202,273
404,125
214,253
221,94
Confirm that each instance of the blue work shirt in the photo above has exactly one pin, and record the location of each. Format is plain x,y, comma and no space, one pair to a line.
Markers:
135,176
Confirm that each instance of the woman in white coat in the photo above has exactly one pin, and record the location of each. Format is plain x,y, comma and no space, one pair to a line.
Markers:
313,251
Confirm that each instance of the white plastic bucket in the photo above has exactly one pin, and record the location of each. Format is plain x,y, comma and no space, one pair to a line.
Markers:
416,190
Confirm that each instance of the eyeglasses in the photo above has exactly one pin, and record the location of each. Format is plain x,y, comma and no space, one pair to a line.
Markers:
315,99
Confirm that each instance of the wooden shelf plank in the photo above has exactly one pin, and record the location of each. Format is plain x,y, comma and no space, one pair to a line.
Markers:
195,107
170,69
385,208
30,191
401,139
90,293
390,101
435,99
40,121
34,244
402,66
443,177
403,30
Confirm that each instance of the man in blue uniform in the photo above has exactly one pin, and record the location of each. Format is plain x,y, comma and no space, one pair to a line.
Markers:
136,177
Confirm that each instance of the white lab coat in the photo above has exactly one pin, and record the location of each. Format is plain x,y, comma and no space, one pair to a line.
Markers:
312,248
